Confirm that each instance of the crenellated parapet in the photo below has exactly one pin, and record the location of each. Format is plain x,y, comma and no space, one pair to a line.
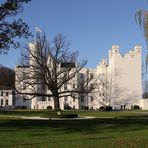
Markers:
114,52
135,51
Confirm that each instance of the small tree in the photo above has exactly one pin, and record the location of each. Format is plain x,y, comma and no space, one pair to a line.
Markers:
110,88
52,70
10,30
141,18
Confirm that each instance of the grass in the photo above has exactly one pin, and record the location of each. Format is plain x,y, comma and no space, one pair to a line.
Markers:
127,130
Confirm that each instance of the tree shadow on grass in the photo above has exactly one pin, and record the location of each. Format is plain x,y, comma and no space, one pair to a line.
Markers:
58,141
84,126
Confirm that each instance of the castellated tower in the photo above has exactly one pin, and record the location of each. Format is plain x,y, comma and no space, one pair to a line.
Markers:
125,73
35,72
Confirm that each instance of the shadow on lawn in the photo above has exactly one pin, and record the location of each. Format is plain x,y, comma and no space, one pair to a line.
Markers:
56,141
120,124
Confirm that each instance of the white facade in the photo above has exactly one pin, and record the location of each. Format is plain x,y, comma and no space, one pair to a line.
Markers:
6,98
117,82
143,103
126,72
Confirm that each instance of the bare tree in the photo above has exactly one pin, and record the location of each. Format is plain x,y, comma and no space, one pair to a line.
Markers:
112,91
108,92
52,71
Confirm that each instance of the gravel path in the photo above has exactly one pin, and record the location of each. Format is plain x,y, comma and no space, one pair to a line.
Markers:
41,118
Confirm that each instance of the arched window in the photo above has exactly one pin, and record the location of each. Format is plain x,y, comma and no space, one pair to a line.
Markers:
1,102
6,102
1,93
91,98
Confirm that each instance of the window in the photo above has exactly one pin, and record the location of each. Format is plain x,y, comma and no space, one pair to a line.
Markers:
91,98
73,96
74,86
65,99
65,86
1,93
49,99
65,76
91,75
43,87
7,94
43,98
1,102
6,102
24,86
74,107
82,99
91,108
24,99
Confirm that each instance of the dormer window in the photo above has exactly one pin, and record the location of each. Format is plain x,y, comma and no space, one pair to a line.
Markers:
7,94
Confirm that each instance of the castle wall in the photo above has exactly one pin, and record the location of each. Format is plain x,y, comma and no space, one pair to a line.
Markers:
126,71
116,83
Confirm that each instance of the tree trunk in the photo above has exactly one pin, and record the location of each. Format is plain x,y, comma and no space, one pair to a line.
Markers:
56,103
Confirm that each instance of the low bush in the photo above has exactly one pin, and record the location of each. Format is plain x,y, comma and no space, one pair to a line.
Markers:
108,108
102,108
68,116
49,107
136,107
67,107
21,107
86,108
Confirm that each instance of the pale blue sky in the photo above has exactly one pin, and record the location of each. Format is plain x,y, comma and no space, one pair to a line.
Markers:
92,26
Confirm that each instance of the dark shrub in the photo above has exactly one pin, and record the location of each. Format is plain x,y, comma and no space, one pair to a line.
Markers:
136,107
21,107
49,107
109,108
67,107
102,108
62,115
68,116
85,107
91,108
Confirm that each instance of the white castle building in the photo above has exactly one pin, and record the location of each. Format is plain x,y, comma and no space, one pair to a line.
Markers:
118,83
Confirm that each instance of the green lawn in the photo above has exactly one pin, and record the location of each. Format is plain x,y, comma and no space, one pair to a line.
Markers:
126,130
